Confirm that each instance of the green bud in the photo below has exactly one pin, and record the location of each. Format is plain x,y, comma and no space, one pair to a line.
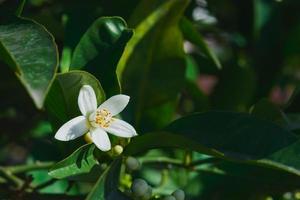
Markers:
139,187
179,194
132,163
148,194
169,198
117,150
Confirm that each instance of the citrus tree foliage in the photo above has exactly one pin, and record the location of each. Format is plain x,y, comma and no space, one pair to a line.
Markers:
212,89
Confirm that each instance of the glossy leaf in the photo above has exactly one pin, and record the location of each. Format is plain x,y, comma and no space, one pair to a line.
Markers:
191,34
61,102
100,49
78,163
155,50
231,136
30,50
236,181
107,183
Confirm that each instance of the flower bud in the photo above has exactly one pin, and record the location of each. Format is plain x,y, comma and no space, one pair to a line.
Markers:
178,194
117,150
139,187
87,138
132,163
169,198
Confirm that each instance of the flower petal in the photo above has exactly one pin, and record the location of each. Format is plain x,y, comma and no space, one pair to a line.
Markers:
87,100
115,104
72,129
121,128
100,139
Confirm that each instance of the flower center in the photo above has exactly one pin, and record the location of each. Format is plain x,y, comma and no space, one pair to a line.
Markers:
102,118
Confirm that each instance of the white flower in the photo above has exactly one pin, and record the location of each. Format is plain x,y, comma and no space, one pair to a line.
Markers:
97,121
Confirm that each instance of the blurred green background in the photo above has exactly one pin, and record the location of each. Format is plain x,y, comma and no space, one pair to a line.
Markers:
241,52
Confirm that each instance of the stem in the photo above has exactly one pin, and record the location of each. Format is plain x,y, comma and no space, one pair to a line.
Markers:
204,161
177,162
187,158
29,167
161,160
20,8
10,178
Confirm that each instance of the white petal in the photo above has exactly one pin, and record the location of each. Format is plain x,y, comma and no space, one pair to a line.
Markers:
121,128
100,139
115,104
72,129
87,100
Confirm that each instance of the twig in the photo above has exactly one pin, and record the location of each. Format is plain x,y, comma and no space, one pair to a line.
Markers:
161,160
11,178
204,161
177,162
29,167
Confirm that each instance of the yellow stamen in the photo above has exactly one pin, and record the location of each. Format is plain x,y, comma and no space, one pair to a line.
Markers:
103,118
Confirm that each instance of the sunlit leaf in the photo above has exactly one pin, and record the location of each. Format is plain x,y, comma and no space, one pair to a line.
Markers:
151,56
80,162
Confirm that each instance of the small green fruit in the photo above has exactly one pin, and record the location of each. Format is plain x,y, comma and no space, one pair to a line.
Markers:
179,194
169,198
132,163
139,187
148,194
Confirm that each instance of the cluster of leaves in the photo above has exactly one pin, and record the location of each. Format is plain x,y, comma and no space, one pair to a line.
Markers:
219,121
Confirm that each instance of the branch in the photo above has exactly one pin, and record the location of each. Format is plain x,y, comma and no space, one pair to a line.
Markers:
177,162
10,178
29,167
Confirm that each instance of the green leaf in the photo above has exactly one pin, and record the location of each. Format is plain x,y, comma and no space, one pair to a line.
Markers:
30,50
231,136
61,102
235,88
239,180
241,134
293,105
20,7
262,14
264,109
155,51
107,183
100,49
41,177
191,34
192,69
294,121
194,99
78,163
